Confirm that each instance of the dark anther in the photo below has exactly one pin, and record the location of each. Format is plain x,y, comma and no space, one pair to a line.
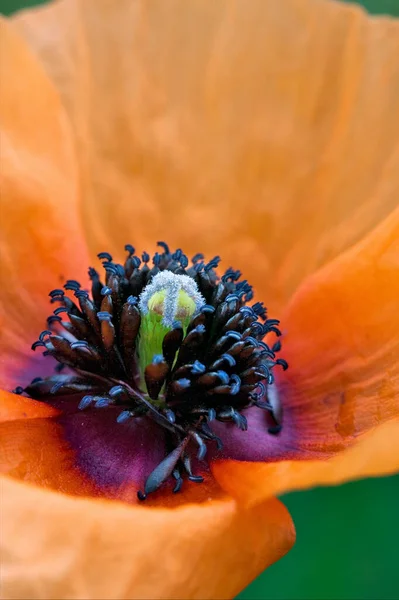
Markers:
117,390
179,481
145,257
235,384
198,368
283,363
208,309
213,264
124,416
211,414
18,390
164,246
202,449
183,261
259,310
170,415
85,402
60,309
72,284
81,294
176,255
53,319
197,258
105,256
110,268
129,248
102,402
44,334
104,316
56,292
79,344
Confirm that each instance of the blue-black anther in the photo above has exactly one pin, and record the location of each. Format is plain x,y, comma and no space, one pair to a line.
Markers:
79,344
183,261
224,378
124,416
102,402
85,402
197,257
164,246
211,414
235,335
37,345
57,292
44,334
104,256
103,315
208,309
116,391
129,248
235,384
60,310
198,368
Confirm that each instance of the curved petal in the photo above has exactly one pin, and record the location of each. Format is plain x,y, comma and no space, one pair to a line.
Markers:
375,453
342,344
54,546
88,453
41,241
80,453
262,132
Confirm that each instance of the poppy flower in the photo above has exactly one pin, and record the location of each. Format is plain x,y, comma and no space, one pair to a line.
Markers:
264,133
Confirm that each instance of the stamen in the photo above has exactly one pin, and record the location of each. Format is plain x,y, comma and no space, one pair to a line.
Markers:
171,342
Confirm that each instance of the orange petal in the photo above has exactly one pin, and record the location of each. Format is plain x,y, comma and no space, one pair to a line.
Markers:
33,447
54,546
269,138
74,454
41,242
14,407
342,344
375,453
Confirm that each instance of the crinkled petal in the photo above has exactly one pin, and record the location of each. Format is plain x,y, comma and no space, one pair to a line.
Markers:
79,453
342,343
375,453
55,546
262,131
41,240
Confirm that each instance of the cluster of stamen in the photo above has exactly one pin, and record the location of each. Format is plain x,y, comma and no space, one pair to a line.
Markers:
170,341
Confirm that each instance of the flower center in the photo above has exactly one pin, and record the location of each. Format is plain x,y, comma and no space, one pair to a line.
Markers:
168,301
172,342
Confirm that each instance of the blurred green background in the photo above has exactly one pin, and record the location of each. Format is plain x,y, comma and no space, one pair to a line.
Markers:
347,536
